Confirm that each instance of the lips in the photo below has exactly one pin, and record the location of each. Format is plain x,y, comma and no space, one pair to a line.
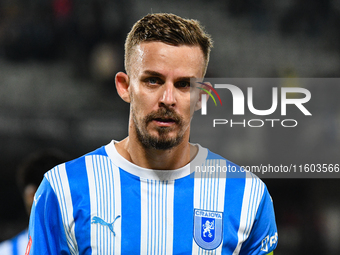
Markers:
164,117
164,122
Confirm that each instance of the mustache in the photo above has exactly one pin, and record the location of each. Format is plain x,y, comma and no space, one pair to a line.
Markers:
164,113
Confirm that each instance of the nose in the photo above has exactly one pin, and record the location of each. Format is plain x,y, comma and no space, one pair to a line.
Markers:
168,97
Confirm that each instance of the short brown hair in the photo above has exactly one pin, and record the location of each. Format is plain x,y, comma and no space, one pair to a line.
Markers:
167,28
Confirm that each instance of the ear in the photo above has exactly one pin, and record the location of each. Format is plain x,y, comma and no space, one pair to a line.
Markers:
122,86
199,102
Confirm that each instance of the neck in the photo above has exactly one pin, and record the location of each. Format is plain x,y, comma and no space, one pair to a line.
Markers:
132,150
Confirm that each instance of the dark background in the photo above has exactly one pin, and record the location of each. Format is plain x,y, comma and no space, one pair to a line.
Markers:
58,59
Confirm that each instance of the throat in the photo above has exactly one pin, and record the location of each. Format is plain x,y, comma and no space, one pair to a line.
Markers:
166,160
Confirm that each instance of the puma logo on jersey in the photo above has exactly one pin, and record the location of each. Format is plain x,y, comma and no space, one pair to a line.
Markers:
97,220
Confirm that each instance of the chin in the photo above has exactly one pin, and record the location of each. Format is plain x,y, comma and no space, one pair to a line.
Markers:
160,142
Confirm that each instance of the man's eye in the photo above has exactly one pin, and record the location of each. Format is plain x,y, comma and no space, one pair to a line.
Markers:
183,84
153,80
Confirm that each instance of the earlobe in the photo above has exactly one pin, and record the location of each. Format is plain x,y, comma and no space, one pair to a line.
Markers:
122,86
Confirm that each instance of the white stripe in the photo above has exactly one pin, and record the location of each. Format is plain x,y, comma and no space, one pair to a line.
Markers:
170,216
118,209
253,192
60,185
157,199
209,191
144,217
105,200
92,190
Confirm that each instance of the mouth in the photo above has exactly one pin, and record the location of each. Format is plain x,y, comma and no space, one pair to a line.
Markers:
164,122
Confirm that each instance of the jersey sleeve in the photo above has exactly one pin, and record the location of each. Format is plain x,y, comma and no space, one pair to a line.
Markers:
46,232
263,237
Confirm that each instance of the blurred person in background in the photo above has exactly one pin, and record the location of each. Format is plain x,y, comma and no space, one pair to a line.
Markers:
29,175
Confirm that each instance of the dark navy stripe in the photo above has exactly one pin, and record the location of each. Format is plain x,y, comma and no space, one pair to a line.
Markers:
183,215
79,188
131,213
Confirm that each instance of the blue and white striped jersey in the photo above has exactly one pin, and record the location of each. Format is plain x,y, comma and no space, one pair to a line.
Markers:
103,204
16,245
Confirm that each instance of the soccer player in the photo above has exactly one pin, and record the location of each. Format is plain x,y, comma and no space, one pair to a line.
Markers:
138,195
30,174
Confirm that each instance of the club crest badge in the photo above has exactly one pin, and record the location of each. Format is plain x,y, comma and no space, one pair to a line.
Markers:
208,228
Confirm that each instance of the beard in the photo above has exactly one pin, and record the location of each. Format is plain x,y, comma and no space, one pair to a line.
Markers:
162,141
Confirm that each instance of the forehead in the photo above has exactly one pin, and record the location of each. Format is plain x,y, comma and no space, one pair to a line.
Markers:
168,59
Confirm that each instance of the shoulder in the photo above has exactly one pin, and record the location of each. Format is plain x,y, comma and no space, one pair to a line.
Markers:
69,181
213,163
75,168
237,179
80,161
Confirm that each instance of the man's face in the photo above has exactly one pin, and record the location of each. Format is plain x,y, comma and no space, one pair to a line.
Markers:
159,89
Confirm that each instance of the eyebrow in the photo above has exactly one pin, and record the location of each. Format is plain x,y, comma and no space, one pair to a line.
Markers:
153,73
157,74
